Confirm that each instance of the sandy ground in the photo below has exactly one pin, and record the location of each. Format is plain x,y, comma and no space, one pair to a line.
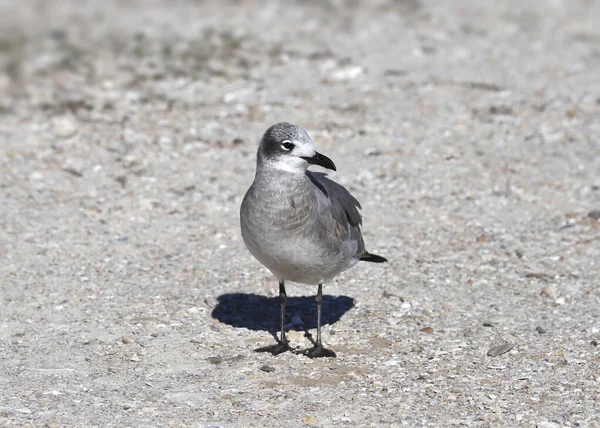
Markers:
469,131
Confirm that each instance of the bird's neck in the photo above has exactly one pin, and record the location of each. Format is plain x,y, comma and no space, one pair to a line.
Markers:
287,165
276,179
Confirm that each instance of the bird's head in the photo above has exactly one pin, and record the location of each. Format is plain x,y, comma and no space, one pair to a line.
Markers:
288,148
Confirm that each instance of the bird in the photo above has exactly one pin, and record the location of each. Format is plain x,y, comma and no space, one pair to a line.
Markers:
299,224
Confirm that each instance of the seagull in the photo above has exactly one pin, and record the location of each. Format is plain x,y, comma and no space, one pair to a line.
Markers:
299,224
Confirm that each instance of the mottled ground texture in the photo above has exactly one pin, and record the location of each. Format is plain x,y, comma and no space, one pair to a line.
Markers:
470,132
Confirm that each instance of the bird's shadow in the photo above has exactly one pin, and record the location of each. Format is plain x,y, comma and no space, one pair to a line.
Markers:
256,312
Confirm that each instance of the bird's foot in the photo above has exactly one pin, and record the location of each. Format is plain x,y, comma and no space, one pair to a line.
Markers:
278,348
318,351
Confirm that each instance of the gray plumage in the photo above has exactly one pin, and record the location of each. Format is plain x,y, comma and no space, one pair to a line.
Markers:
301,225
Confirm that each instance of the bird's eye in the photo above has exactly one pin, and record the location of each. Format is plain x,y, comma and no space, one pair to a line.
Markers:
287,145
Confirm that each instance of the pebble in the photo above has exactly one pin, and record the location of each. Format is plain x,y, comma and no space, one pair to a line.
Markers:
267,368
501,110
519,253
122,180
127,340
594,214
371,151
426,330
64,128
346,73
488,324
538,275
548,292
540,330
500,349
36,176
72,170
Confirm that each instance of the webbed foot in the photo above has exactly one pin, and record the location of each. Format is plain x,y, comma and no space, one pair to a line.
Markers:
318,351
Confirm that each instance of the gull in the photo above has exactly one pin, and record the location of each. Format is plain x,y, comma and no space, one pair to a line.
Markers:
299,224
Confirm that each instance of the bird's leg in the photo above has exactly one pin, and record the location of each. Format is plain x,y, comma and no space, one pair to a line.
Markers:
282,344
318,350
282,301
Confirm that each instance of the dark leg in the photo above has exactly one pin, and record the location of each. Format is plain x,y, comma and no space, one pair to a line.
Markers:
318,350
282,344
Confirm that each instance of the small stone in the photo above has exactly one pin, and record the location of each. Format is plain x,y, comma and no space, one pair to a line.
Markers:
309,420
501,110
72,170
371,151
488,324
122,180
540,330
594,343
346,73
538,275
126,407
267,368
500,349
548,292
64,128
428,330
519,254
36,176
595,215
127,340
215,360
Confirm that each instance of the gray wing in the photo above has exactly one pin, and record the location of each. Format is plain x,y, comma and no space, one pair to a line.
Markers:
339,210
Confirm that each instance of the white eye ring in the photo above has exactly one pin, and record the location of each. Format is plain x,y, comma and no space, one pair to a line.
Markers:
287,145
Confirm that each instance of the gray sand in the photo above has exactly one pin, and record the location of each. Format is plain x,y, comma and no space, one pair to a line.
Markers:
469,131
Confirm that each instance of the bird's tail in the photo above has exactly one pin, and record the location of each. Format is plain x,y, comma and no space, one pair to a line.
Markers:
374,258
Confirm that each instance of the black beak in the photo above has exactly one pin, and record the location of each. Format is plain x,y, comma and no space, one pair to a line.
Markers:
321,160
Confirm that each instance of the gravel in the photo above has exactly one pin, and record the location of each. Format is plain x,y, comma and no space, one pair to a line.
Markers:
468,131
500,349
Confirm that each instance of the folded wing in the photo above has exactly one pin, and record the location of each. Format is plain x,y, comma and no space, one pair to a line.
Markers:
339,211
